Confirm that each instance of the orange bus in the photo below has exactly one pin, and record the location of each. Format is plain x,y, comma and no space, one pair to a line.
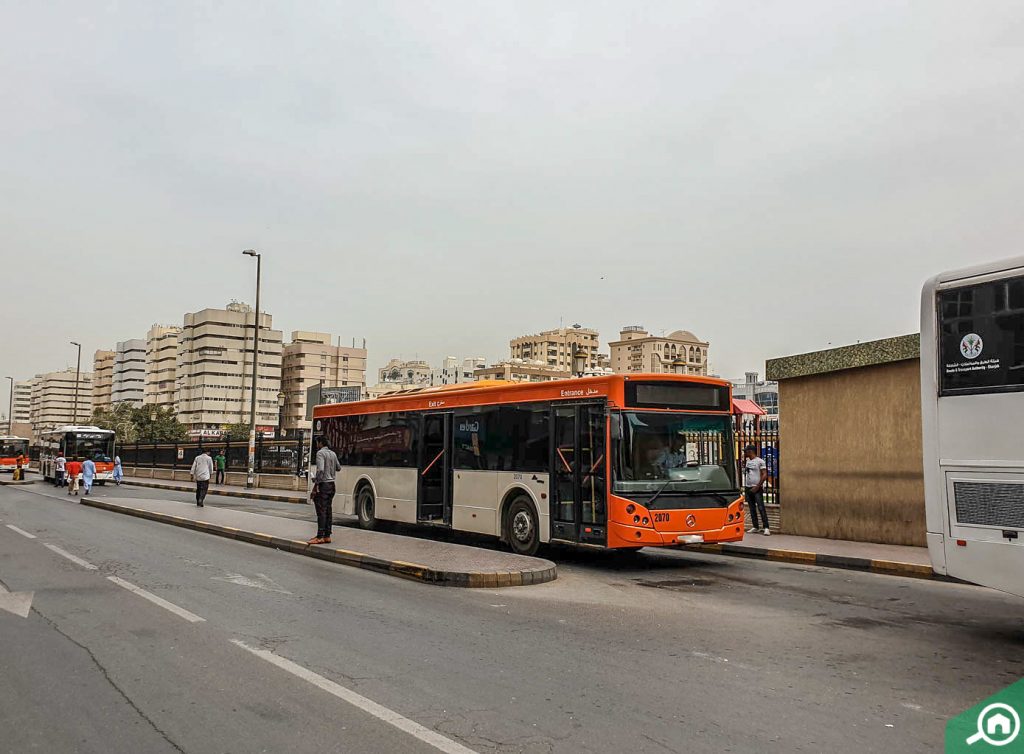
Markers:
12,448
613,461
81,442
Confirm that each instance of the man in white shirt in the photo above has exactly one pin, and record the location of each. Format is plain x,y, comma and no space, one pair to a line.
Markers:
755,473
201,471
58,469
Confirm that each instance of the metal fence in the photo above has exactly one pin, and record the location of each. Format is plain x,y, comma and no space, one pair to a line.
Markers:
272,456
767,444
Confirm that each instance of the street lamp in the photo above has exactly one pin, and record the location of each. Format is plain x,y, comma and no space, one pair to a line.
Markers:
10,409
78,373
250,481
281,397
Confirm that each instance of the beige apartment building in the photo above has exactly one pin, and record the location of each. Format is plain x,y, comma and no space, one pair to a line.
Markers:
103,378
53,401
161,378
517,370
214,369
129,379
680,352
554,347
310,359
22,405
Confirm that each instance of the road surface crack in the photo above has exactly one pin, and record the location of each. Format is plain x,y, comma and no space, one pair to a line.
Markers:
113,684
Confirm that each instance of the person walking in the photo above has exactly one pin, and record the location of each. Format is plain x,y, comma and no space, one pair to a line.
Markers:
323,490
73,468
88,474
201,471
58,470
755,473
19,468
220,461
118,471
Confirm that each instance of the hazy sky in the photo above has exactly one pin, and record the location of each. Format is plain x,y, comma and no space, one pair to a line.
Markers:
438,177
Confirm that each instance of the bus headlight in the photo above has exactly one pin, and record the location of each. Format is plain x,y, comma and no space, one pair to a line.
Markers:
630,509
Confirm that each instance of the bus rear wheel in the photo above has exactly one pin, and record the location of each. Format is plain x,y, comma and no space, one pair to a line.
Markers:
365,506
522,531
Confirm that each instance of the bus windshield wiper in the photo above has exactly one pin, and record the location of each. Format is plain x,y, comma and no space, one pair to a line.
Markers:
656,494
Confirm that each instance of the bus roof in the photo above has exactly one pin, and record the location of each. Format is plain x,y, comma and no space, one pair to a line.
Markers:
487,392
5,438
76,428
1013,264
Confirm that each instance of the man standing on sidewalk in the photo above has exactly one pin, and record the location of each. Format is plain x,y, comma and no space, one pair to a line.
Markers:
323,490
58,470
755,472
220,462
201,471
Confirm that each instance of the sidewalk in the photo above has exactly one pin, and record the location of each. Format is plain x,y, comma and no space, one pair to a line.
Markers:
280,496
892,559
424,560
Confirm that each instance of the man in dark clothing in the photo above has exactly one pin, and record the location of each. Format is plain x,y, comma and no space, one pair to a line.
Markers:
323,490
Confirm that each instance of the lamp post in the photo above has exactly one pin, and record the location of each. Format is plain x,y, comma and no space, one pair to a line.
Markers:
250,481
10,409
78,373
281,397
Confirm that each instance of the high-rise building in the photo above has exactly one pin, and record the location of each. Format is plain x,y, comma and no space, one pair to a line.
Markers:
103,378
22,405
453,371
54,401
215,368
129,378
161,388
680,352
554,347
310,359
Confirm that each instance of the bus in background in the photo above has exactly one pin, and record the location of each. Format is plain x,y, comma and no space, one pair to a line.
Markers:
11,448
612,461
81,442
972,406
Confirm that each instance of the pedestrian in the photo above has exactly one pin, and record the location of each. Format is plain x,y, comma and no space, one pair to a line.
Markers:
58,470
323,490
201,471
74,468
19,470
755,473
220,461
88,474
118,471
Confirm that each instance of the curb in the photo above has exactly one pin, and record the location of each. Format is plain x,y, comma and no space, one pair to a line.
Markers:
12,483
888,567
402,569
223,493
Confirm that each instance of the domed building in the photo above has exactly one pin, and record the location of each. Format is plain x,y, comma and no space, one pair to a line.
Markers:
679,352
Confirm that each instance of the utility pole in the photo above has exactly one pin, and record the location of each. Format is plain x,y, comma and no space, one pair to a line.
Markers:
10,409
78,374
250,481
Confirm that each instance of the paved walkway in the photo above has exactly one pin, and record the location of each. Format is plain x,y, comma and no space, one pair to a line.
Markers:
898,559
420,559
228,490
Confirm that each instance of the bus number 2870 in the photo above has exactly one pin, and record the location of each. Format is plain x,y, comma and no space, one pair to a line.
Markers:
661,518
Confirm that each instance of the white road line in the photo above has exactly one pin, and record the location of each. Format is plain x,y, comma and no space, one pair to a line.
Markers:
179,611
73,558
428,736
22,532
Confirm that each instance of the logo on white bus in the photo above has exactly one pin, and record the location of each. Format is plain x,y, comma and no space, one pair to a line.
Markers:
971,345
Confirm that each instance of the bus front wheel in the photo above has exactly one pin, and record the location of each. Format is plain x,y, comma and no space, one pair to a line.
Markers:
521,529
365,509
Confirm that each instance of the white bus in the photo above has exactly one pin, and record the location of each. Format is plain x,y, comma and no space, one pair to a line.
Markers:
972,406
78,442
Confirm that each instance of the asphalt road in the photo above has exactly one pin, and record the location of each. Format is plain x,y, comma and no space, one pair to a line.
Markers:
666,652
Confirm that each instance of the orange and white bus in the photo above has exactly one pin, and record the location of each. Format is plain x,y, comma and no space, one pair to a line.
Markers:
12,447
613,461
81,442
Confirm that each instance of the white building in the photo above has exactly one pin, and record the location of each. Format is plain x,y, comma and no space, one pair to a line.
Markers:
453,371
56,402
129,377
161,387
764,393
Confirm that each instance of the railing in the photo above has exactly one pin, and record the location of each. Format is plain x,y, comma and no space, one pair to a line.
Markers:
767,444
272,456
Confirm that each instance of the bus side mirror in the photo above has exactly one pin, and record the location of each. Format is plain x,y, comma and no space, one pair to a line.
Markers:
616,426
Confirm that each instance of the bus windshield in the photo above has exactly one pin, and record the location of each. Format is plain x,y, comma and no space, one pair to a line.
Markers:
675,453
95,446
13,448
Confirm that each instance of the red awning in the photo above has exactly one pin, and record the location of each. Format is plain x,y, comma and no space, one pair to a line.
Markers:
744,406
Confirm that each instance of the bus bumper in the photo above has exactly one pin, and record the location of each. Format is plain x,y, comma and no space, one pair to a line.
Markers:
624,535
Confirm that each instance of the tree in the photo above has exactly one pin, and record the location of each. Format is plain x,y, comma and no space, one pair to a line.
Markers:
236,432
140,423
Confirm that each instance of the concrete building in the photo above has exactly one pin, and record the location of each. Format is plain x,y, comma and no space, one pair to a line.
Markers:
554,347
310,359
161,387
53,400
103,378
129,379
22,404
680,352
765,393
518,370
453,371
415,373
214,369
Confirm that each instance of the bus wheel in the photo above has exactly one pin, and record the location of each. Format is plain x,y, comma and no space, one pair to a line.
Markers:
521,529
365,509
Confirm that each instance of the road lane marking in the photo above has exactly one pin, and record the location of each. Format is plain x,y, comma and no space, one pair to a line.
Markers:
413,728
73,558
179,611
22,532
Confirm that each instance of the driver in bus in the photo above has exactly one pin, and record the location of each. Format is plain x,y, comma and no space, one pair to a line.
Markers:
673,456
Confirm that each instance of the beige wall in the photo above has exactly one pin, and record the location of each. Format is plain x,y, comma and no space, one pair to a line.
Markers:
851,459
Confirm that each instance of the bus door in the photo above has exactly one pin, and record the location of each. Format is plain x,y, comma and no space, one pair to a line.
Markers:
434,497
578,475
